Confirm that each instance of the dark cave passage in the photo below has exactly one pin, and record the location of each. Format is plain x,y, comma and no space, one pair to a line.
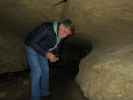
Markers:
16,85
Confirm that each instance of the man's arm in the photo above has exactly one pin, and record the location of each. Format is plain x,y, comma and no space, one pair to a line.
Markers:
41,34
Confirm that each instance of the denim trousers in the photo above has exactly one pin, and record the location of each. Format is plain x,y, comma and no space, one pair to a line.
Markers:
39,72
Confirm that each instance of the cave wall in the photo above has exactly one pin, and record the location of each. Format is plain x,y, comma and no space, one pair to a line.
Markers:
105,73
17,18
107,22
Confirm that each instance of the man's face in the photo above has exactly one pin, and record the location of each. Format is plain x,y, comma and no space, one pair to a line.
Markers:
64,31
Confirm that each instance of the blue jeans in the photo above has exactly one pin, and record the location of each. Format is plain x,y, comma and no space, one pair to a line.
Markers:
39,73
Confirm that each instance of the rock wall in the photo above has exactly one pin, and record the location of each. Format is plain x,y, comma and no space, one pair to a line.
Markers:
106,73
107,76
17,17
108,22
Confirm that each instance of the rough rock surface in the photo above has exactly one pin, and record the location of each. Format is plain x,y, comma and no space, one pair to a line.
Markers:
107,76
108,22
106,73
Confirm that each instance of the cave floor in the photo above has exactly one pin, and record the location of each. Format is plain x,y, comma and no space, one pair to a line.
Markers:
16,86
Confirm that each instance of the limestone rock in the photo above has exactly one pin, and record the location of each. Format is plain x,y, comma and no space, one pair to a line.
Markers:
107,75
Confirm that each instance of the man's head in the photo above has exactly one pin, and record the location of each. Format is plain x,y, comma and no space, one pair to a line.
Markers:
65,28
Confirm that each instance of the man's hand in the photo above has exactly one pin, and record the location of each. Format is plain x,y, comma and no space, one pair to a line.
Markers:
51,57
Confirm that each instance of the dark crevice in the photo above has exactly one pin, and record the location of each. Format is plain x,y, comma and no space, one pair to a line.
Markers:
72,53
60,2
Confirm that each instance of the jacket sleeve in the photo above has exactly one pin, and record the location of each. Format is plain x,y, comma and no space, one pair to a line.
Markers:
41,34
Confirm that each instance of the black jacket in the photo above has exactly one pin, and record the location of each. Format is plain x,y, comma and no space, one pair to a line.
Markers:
42,38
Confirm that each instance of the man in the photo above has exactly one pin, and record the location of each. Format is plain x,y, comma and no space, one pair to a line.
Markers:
39,46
